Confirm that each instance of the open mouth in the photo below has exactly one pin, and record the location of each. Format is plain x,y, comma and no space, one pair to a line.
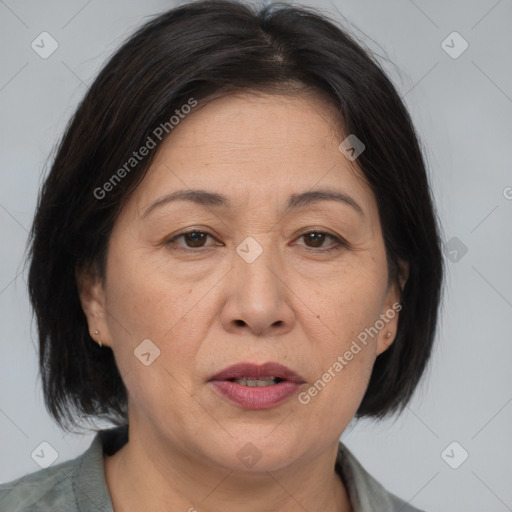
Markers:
253,386
261,382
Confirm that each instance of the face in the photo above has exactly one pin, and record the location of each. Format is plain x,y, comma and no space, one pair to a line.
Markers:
259,275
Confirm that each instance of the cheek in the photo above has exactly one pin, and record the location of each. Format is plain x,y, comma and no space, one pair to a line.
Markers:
146,302
142,306
333,396
141,300
348,301
346,307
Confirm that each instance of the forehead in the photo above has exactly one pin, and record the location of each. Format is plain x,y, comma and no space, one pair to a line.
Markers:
257,147
248,123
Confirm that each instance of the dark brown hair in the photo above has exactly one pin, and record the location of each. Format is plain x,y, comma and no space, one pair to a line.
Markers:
191,52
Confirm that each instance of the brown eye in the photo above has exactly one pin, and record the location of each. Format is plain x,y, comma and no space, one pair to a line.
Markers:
316,240
193,240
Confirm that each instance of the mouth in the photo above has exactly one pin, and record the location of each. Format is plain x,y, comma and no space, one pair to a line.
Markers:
258,383
252,386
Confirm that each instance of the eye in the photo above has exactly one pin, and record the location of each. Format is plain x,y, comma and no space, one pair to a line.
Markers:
194,239
317,239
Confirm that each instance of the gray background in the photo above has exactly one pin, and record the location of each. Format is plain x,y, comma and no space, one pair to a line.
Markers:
462,108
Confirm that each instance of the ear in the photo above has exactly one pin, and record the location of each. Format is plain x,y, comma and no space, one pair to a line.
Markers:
392,306
92,297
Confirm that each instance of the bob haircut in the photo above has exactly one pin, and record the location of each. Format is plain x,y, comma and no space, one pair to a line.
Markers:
180,57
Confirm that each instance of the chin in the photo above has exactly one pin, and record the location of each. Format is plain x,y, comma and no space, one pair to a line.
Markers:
258,450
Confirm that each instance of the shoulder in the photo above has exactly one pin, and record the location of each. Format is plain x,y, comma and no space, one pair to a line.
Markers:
75,485
44,490
366,493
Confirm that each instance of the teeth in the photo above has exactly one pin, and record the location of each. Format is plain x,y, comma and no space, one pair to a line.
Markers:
264,381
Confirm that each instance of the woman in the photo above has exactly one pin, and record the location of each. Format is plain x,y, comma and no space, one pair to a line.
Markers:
234,254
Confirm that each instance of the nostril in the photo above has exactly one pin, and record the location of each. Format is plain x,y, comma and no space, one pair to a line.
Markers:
240,323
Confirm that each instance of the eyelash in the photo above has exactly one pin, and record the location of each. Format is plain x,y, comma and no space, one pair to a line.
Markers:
337,245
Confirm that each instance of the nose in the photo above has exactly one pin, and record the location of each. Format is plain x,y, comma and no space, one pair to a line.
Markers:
258,297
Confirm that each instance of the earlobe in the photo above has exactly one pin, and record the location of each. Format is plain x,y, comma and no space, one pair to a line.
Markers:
385,341
92,298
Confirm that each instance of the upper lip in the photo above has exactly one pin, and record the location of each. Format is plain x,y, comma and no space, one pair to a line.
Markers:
255,371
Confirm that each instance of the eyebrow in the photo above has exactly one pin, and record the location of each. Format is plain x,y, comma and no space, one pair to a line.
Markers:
213,199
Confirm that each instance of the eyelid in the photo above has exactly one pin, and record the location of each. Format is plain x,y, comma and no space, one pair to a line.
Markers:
338,242
186,232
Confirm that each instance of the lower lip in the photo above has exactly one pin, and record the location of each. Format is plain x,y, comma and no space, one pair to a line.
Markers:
254,397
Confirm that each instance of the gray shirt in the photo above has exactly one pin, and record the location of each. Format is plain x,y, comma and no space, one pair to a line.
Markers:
79,485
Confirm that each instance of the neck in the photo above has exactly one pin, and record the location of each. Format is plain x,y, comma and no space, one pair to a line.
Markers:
146,474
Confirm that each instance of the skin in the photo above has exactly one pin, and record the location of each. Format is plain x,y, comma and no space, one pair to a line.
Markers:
206,308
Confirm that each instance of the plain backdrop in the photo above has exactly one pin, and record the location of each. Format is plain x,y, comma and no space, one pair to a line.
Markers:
461,104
